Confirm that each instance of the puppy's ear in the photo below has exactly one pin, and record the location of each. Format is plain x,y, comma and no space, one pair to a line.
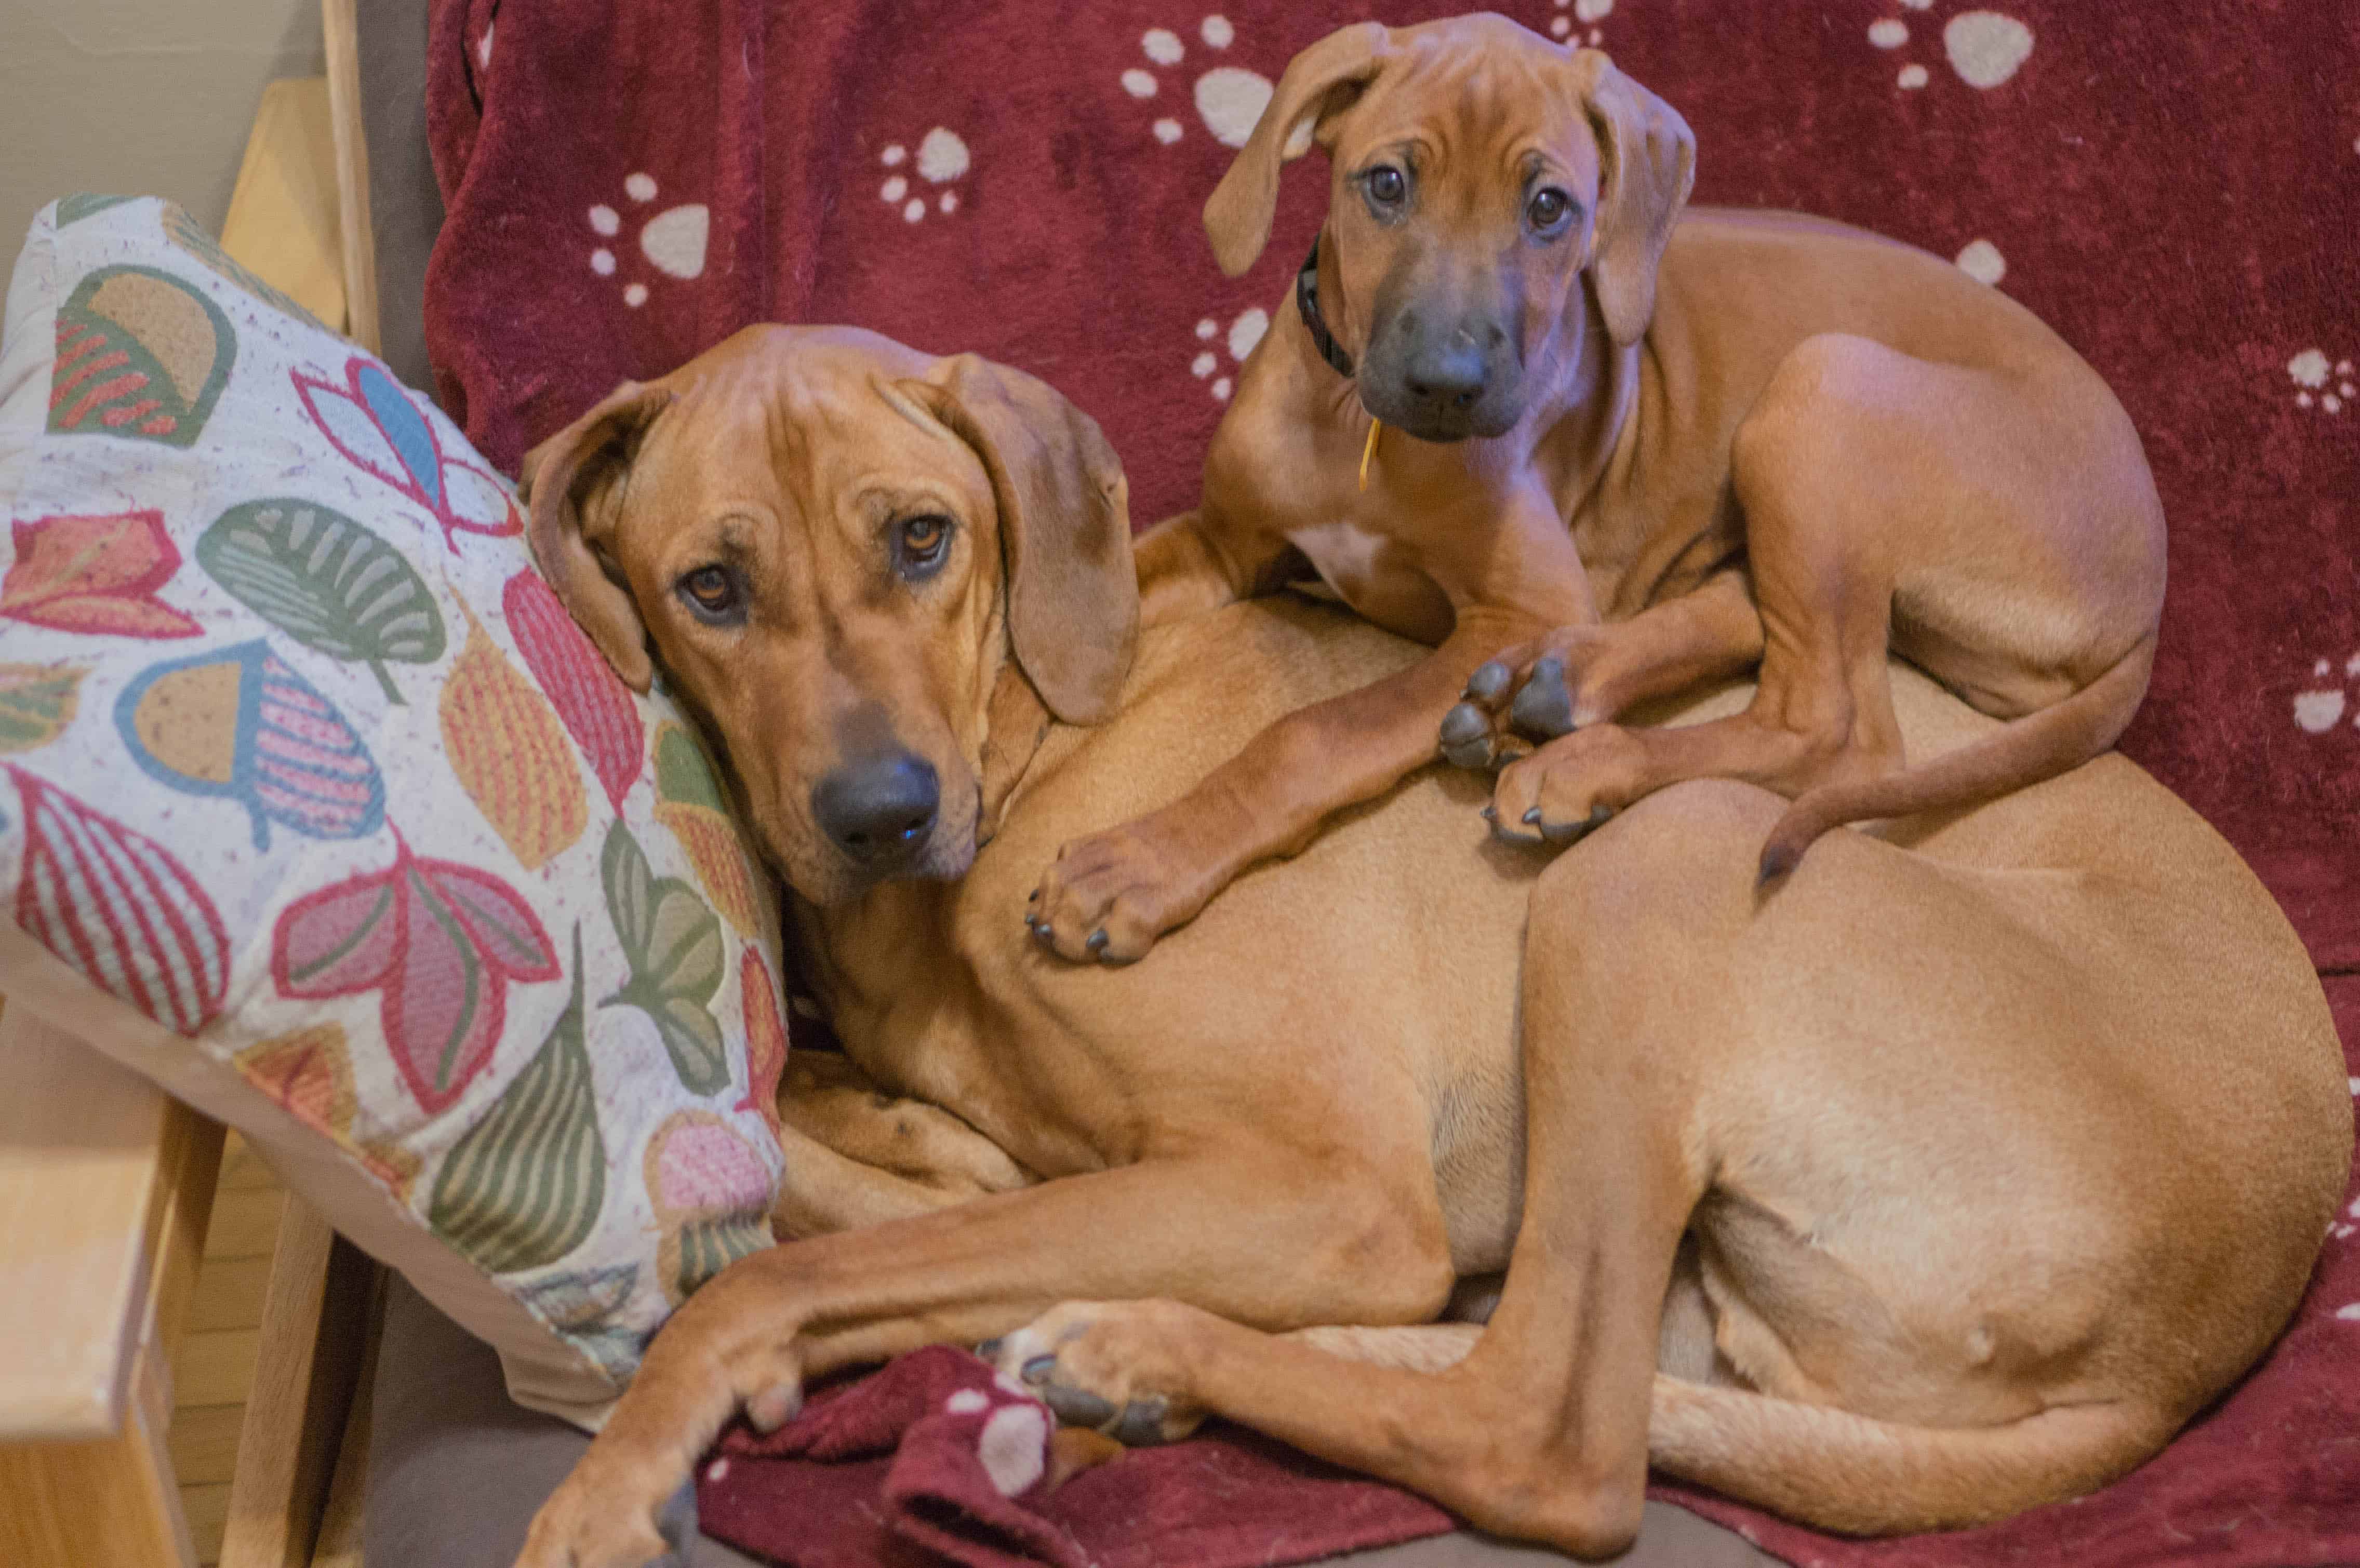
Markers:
1064,528
1320,80
572,483
1650,165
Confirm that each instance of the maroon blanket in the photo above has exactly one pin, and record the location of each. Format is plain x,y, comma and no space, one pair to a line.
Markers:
2176,189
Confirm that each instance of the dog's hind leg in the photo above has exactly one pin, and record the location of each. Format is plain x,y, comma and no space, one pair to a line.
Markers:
1541,1431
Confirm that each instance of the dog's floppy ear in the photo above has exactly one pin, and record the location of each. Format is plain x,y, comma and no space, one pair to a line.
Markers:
572,483
1064,528
1650,164
1317,82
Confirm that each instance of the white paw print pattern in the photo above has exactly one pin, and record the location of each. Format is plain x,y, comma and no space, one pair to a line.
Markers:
1573,13
1012,1443
1243,335
1229,98
2319,709
1985,47
671,241
943,161
2319,385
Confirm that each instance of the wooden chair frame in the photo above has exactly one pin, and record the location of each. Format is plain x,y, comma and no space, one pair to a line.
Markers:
106,1185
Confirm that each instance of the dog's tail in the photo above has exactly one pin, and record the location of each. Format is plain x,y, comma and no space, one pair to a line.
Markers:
2038,745
1836,1471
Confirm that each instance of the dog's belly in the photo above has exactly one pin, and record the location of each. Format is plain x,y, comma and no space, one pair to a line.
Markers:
1377,577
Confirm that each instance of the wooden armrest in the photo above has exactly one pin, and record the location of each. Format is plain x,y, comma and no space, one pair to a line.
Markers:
284,215
106,1187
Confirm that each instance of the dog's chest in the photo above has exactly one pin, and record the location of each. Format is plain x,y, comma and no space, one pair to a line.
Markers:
1379,577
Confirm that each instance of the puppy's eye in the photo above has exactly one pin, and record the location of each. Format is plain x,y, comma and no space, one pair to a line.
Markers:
922,543
713,593
1386,185
1548,209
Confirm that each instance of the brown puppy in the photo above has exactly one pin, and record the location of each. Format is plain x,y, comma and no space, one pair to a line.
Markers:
1636,453
1952,1182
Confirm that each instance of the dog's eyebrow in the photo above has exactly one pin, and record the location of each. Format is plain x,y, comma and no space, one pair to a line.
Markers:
909,408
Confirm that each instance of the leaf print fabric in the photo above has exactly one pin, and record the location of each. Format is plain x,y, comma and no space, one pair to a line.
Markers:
96,575
442,942
673,946
509,753
241,724
302,762
524,1186
327,581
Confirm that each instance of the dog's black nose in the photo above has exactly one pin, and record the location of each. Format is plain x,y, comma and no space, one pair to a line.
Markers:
878,807
1448,376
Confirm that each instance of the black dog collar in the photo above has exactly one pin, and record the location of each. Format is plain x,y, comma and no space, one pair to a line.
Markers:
1306,303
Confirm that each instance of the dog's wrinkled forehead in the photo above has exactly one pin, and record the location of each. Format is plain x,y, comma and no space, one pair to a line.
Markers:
1474,94
809,414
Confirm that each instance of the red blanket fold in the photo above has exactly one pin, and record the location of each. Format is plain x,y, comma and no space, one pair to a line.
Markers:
2175,188
937,1460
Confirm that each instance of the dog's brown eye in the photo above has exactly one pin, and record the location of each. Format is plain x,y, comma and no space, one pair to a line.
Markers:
1548,209
1386,187
712,593
922,543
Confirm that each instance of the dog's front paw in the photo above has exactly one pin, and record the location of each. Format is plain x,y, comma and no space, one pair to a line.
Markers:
1568,787
1117,1366
594,1522
1109,895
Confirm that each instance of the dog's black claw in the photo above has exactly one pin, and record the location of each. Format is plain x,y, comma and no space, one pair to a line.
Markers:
1544,709
1489,814
1776,861
1097,942
1490,682
1141,1425
1077,1407
1033,897
1040,1366
987,1351
1532,817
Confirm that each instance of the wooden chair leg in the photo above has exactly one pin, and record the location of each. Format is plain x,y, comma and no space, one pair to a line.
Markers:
315,1317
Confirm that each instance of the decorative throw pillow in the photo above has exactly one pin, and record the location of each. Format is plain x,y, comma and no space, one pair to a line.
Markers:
318,810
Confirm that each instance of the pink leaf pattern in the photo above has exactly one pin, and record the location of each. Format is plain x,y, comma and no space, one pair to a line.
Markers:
766,1038
372,420
118,907
588,695
444,942
95,575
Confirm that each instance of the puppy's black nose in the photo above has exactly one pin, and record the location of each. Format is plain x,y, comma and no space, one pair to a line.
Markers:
879,809
1448,376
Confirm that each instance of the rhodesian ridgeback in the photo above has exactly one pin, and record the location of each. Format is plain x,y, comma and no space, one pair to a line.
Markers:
1952,1180
1516,402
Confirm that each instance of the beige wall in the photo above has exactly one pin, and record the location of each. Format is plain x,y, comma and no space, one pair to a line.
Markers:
139,97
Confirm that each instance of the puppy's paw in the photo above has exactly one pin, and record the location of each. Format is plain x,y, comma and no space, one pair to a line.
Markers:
1569,787
1531,692
1109,895
1116,1366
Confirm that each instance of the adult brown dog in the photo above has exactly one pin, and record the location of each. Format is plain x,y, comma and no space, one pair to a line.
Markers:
1639,452
1952,1180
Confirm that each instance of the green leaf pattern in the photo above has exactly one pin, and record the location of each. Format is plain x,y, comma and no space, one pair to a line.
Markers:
326,581
524,1187
677,956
